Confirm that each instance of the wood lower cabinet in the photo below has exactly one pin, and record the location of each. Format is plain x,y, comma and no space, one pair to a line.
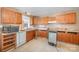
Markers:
30,35
7,42
68,37
43,33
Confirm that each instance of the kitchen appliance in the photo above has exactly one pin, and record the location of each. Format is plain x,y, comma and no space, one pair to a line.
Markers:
52,38
14,28
6,29
9,29
20,38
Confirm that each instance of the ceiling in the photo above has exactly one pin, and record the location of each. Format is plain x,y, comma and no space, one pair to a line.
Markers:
44,11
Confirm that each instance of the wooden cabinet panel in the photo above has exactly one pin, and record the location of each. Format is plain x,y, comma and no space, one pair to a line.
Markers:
60,19
8,42
0,15
70,18
31,20
18,18
42,33
30,35
11,17
8,16
5,16
68,37
36,20
51,19
43,21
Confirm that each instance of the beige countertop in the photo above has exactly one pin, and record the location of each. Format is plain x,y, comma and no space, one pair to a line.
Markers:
65,30
8,33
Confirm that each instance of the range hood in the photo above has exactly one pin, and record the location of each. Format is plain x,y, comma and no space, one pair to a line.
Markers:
52,22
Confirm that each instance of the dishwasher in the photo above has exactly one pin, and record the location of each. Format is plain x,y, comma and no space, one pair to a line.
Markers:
52,36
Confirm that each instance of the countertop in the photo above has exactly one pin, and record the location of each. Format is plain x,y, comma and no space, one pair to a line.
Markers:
64,31
8,33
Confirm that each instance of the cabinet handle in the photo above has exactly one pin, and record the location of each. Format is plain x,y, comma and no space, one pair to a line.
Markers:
73,32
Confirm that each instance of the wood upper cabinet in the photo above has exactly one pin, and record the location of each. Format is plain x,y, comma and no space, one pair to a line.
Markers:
36,20
0,15
70,18
18,18
60,19
5,16
10,16
51,19
31,20
43,20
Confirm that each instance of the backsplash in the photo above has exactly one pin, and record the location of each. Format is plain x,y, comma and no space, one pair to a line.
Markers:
64,26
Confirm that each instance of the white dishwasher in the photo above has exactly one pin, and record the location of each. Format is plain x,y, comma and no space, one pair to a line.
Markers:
52,36
20,38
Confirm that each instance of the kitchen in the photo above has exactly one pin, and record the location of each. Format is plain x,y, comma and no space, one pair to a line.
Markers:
39,29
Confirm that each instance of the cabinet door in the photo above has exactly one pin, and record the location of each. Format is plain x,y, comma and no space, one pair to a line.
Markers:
12,17
0,15
8,16
60,19
31,20
45,20
60,36
76,38
5,16
36,20
70,18
43,33
18,18
29,36
51,19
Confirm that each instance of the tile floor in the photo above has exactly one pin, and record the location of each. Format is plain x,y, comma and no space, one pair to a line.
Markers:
39,45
